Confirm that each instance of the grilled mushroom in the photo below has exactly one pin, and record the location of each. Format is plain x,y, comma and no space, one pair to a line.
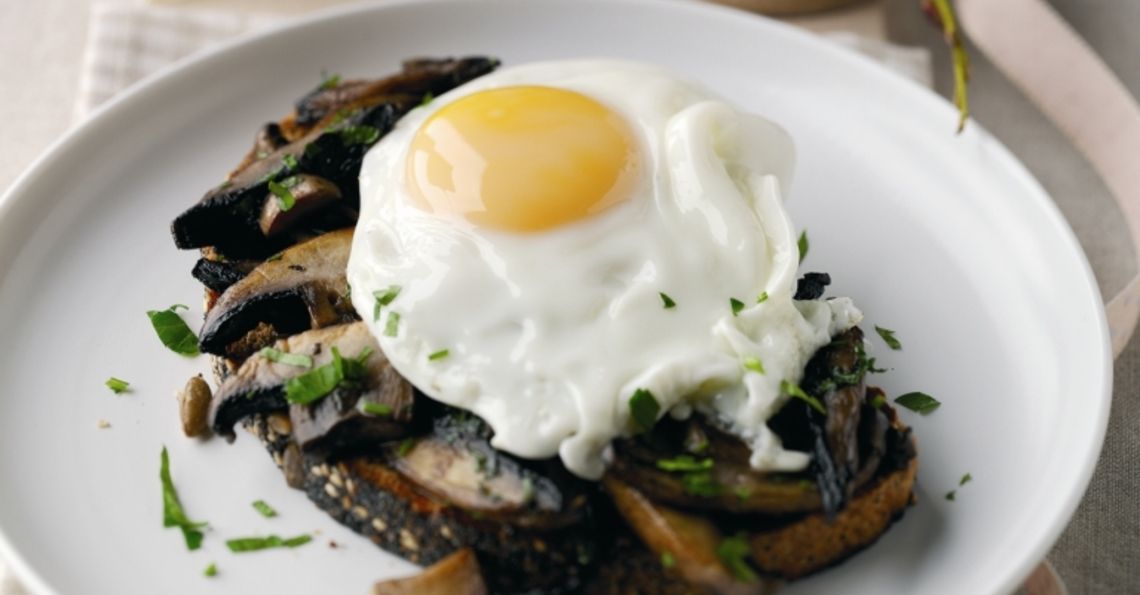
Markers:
305,288
457,574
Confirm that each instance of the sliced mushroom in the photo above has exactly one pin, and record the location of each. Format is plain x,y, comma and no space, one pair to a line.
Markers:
689,541
457,464
303,289
219,275
258,386
268,140
457,574
309,193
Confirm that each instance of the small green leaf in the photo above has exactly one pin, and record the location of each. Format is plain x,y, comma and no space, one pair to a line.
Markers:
265,509
967,478
667,559
734,553
438,355
878,401
763,298
383,298
889,338
918,402
392,326
377,409
684,463
211,570
405,447
358,135
643,408
736,305
793,390
754,364
173,331
330,82
951,495
428,97
173,514
290,162
701,483
282,190
299,360
118,386
803,245
253,544
667,301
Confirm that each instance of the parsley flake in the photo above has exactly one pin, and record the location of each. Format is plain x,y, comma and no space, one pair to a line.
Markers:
283,191
428,97
667,301
265,509
762,298
253,544
392,327
211,570
701,483
317,383
889,338
173,331
803,245
793,390
743,492
643,408
290,162
667,559
684,463
878,401
951,494
299,360
736,305
330,82
358,135
438,355
118,386
967,478
377,409
918,402
172,513
733,553
383,298
754,364
405,447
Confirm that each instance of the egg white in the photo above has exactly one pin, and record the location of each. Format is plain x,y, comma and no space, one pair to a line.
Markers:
550,333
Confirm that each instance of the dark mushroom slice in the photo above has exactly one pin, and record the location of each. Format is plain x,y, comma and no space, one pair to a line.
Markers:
307,193
258,387
304,288
456,464
457,574
269,139
689,541
219,275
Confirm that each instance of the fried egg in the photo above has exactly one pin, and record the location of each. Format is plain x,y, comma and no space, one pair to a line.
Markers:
543,243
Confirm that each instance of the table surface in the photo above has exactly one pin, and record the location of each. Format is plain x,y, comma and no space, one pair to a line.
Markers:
40,62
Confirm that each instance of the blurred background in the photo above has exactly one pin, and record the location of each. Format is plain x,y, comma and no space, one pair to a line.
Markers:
55,66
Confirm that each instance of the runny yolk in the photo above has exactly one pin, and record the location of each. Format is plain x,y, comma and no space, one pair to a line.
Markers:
521,159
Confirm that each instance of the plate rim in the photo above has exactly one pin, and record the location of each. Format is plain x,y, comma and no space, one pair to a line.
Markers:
119,106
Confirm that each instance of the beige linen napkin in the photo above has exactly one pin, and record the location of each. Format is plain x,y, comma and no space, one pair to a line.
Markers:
126,43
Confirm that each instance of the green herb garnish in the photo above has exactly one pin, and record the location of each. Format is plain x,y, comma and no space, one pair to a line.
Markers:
754,364
172,513
803,245
667,301
383,298
428,97
438,355
290,161
405,447
211,570
736,305
945,19
377,409
172,330
392,326
330,82
878,401
733,553
358,135
763,298
667,559
918,402
701,484
317,383
951,494
265,509
299,360
282,190
793,390
253,544
967,478
889,337
118,386
643,408
684,463
743,492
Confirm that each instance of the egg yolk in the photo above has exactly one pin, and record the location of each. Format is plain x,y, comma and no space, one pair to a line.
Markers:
521,159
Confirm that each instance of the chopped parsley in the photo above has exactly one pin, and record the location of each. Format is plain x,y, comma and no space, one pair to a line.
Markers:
643,408
743,492
888,337
736,305
438,355
265,509
918,402
358,135
211,570
118,386
684,463
762,298
299,360
701,483
283,191
317,383
405,447
951,494
172,330
967,478
253,544
383,298
290,161
172,513
754,364
392,327
428,97
803,245
667,301
377,409
330,82
667,559
878,401
733,553
793,390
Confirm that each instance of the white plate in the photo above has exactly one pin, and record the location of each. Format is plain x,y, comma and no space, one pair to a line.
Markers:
945,239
